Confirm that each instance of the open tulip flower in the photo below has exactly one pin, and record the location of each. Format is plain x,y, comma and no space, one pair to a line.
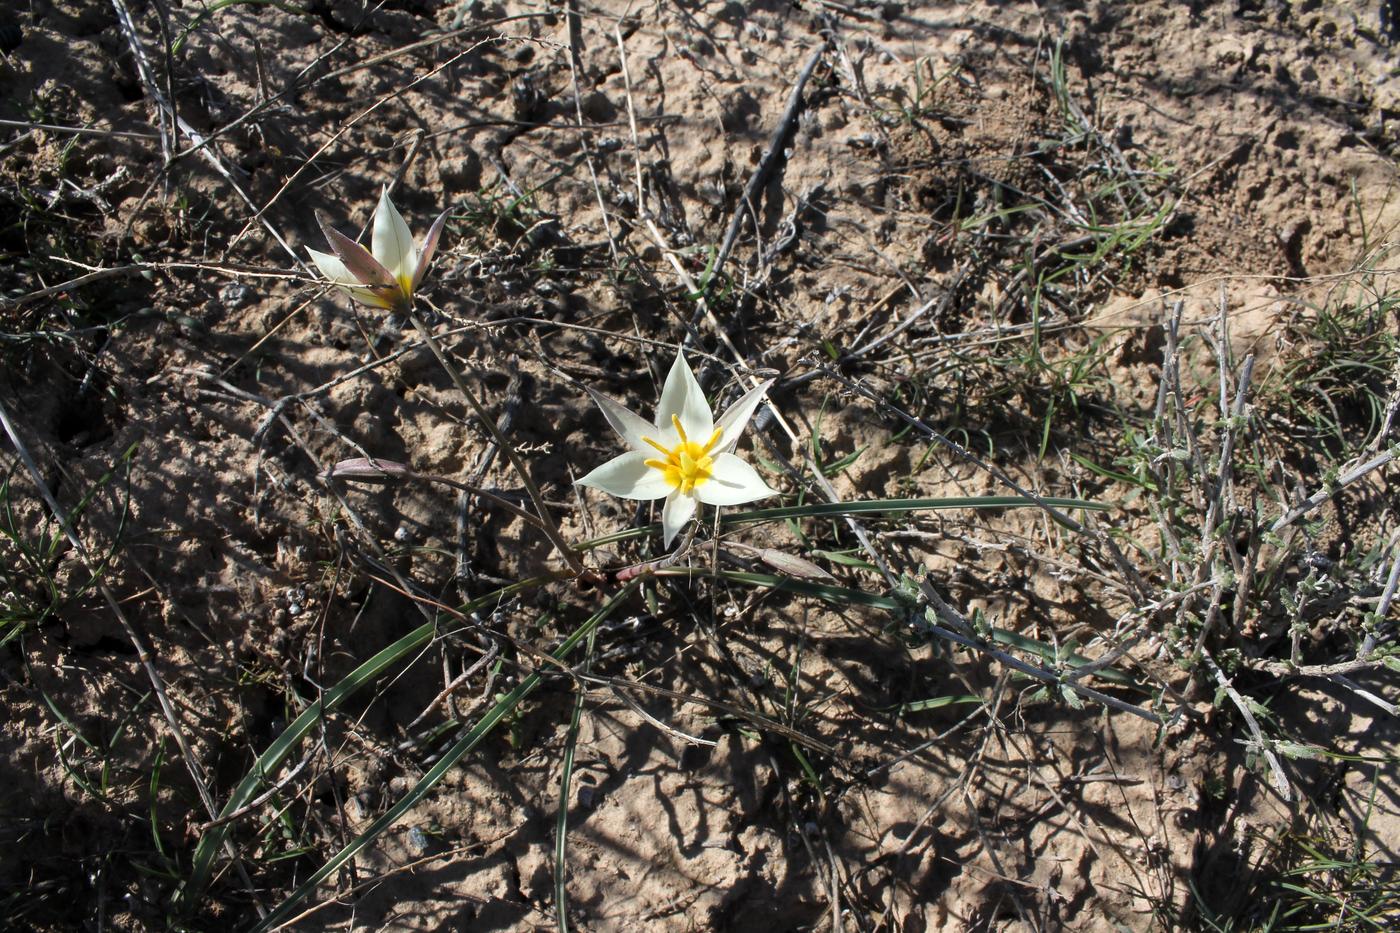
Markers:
387,274
686,457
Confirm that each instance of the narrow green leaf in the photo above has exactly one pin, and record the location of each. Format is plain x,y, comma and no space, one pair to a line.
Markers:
845,559
561,825
901,506
889,507
466,743
845,596
837,595
836,466
1047,653
283,746
919,706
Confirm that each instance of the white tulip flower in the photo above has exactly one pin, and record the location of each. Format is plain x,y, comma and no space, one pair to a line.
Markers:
686,456
387,274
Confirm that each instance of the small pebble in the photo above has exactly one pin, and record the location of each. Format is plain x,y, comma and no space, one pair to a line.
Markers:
235,295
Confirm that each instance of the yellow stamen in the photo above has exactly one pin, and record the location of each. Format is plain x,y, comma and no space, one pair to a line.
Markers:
687,464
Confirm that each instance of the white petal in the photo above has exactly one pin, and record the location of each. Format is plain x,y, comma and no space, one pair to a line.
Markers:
392,242
736,418
629,425
628,477
677,511
732,482
332,267
430,242
368,297
336,271
682,396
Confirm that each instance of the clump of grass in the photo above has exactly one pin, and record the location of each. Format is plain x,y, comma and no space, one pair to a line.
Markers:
1050,231
1333,386
31,547
1241,587
1308,879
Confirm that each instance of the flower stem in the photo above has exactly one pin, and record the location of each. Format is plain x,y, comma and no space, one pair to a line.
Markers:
547,523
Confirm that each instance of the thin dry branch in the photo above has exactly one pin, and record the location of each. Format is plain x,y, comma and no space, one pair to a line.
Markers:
1352,475
165,107
777,143
1266,748
1134,578
827,490
955,618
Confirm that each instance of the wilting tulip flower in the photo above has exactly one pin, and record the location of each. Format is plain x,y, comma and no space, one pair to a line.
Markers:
686,456
387,274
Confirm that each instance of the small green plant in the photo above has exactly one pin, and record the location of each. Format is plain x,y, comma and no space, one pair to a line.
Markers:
1308,880
31,547
1339,359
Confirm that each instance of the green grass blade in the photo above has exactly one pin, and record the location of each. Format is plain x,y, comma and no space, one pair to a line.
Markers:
919,706
844,559
901,506
561,826
1047,653
466,743
863,507
216,7
1114,475
282,747
153,800
845,596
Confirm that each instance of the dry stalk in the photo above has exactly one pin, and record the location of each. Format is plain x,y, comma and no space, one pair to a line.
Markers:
965,638
547,523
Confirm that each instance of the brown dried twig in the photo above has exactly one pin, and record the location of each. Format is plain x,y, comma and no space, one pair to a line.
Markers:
777,143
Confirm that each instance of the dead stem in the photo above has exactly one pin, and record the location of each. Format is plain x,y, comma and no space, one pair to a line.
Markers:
547,523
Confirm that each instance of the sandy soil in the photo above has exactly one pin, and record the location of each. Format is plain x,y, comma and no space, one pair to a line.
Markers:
1264,132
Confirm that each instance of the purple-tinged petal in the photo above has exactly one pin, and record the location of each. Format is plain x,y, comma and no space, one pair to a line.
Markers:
425,255
365,269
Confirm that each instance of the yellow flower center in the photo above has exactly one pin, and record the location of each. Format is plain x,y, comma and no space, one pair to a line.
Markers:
688,464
